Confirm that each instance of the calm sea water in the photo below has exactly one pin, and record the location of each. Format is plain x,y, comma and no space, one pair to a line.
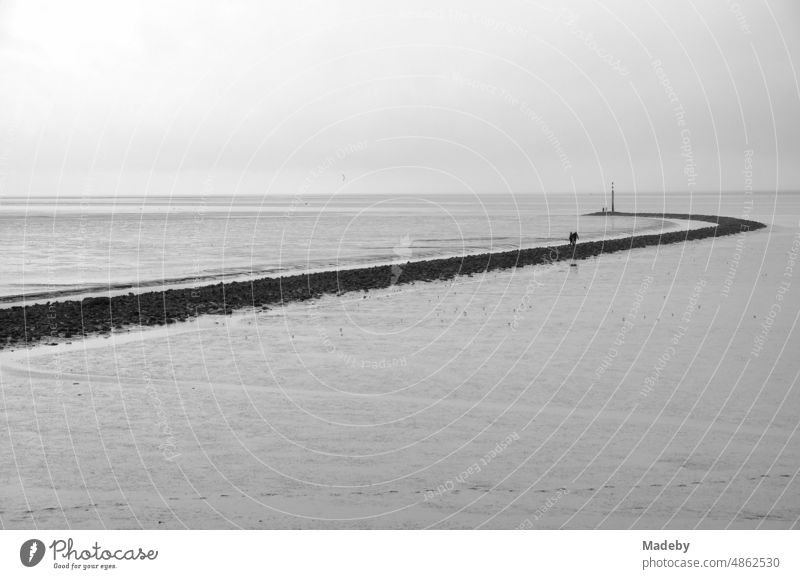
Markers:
65,246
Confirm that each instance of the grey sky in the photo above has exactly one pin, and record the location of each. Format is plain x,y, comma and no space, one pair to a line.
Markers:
256,97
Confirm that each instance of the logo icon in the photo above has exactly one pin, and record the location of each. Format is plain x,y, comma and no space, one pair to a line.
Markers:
31,552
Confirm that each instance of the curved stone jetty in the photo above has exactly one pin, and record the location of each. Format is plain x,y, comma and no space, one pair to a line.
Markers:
58,320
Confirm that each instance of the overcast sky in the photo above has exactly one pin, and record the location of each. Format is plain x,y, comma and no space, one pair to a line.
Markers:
182,97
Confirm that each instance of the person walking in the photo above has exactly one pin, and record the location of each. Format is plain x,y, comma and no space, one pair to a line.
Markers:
573,238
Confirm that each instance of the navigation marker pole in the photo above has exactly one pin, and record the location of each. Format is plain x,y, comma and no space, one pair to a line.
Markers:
612,197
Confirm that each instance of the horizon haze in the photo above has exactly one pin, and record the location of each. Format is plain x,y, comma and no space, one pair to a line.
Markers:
175,98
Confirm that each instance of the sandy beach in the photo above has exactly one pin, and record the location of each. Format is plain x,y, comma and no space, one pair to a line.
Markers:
651,388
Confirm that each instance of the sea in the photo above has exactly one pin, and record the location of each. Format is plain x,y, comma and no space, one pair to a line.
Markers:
53,247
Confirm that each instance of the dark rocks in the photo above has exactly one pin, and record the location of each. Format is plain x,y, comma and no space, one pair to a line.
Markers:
95,302
99,315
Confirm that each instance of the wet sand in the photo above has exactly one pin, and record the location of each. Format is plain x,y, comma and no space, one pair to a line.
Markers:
622,392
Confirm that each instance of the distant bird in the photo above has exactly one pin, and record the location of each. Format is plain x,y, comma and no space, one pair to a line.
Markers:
343,177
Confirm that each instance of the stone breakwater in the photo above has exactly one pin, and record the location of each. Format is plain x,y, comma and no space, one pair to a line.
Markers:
31,324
